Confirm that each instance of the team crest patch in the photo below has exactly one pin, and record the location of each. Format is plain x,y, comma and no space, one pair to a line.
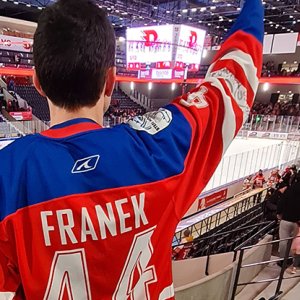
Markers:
152,122
196,99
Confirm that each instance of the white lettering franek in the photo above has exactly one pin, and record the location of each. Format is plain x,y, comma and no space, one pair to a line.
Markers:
95,222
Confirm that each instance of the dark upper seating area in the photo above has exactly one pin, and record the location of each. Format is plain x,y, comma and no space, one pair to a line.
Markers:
122,107
38,103
270,69
16,59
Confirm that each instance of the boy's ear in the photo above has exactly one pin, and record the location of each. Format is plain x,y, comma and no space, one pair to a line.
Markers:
110,81
37,84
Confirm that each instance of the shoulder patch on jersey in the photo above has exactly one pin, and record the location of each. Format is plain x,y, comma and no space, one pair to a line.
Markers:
239,92
196,99
86,164
152,122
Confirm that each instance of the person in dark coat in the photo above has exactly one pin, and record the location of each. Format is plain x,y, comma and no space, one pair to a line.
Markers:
288,211
271,201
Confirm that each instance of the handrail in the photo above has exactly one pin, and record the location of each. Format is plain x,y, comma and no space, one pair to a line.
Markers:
279,279
209,247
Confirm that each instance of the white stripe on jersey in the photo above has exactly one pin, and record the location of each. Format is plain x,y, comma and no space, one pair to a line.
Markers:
229,122
237,90
7,295
245,62
167,293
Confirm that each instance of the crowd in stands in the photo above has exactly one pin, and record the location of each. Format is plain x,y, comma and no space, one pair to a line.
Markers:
280,206
126,113
122,108
270,70
277,109
11,81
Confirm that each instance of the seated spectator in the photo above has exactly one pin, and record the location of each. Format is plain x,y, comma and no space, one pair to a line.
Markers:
259,180
247,184
274,178
187,237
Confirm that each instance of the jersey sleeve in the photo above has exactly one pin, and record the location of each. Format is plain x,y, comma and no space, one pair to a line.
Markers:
217,109
206,120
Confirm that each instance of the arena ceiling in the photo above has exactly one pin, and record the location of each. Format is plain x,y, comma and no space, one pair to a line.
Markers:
216,16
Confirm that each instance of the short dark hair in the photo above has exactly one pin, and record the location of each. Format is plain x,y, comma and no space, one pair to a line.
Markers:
74,46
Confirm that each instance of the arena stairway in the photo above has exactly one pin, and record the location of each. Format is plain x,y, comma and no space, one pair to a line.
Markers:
265,291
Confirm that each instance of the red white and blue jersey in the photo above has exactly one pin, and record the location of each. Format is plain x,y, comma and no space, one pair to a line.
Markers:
89,212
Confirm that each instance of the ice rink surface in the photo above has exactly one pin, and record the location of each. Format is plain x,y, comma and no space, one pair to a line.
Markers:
247,156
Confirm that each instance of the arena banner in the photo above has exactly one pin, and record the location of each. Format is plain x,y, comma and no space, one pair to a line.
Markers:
22,115
15,43
212,199
268,135
295,136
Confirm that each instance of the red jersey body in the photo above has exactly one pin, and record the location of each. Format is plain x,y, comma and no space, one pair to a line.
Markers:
89,213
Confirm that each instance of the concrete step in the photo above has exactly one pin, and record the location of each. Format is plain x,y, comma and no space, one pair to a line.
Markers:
293,294
252,290
287,285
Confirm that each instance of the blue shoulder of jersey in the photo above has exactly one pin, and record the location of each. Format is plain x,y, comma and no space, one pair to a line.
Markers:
251,20
12,158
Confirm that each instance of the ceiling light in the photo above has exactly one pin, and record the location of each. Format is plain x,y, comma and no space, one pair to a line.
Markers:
266,86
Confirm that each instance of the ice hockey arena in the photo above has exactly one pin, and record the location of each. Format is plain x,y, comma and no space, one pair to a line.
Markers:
170,170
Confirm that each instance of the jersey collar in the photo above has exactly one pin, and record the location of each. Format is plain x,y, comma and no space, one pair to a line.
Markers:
70,128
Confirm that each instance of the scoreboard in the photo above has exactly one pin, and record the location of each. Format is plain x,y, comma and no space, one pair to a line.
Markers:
164,52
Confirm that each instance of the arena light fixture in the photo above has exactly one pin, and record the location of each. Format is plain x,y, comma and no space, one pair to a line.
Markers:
173,86
150,86
266,87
